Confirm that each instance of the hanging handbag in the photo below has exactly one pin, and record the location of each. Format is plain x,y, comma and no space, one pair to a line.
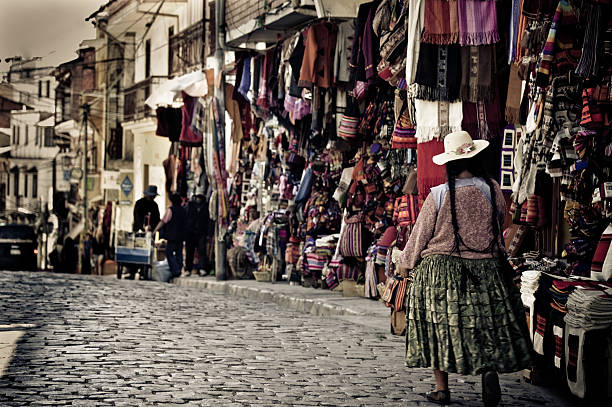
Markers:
349,122
404,133
351,242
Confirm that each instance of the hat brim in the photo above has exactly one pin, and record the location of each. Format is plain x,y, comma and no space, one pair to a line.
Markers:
151,193
443,158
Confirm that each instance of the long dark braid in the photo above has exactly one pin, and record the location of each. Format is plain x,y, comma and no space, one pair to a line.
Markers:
475,167
451,173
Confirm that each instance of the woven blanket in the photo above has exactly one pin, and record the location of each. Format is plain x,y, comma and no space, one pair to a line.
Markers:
477,22
441,22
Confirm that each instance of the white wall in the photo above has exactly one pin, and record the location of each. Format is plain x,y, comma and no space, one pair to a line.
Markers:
190,14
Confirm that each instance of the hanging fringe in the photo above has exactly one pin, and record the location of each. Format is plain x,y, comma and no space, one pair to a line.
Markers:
425,134
479,38
440,39
476,93
431,94
511,114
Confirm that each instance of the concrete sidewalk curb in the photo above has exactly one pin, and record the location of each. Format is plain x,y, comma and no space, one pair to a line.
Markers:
309,300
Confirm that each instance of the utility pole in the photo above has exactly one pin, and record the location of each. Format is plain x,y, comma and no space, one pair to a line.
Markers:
220,96
85,169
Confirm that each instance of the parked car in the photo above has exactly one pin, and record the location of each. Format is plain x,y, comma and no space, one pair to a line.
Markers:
18,247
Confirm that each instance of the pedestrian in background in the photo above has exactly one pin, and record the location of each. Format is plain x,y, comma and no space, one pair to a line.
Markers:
87,255
174,224
98,253
146,217
462,316
197,234
146,211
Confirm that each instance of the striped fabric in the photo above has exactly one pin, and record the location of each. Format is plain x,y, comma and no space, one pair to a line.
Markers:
351,240
477,22
601,267
315,263
441,23
406,210
564,16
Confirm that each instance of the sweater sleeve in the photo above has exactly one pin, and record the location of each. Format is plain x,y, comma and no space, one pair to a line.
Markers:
421,234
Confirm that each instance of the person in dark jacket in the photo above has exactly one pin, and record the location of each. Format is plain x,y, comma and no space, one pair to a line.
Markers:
197,233
146,211
174,223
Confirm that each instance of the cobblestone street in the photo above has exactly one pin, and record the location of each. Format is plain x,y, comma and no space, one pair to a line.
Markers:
100,341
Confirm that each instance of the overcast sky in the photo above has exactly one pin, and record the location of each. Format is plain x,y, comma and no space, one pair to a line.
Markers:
51,29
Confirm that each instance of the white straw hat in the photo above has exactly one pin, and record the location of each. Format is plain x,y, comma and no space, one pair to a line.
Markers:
459,145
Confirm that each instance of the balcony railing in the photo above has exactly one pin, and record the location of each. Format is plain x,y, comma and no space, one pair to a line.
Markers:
134,107
186,50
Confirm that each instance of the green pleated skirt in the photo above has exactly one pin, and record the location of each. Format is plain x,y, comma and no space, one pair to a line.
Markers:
462,318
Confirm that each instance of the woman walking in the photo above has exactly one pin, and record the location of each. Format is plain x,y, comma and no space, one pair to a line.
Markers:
461,315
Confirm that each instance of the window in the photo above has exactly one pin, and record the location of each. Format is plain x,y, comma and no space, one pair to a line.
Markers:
18,131
49,141
147,58
93,160
35,185
170,35
39,89
27,129
14,140
16,183
25,184
48,90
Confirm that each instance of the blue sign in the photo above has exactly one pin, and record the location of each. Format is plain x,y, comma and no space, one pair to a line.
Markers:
127,186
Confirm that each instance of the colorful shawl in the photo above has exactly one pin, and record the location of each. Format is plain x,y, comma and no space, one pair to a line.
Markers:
438,74
434,120
441,22
477,22
476,73
564,16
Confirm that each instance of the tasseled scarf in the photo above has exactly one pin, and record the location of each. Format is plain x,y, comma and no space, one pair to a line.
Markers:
514,96
476,72
441,22
438,74
477,22
434,120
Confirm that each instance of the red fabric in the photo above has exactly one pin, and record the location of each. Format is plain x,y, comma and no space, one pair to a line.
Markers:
429,174
188,136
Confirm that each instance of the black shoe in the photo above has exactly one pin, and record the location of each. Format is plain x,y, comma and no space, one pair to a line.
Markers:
439,397
491,392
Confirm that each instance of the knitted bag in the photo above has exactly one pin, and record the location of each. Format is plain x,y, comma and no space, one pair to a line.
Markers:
404,132
351,243
350,121
406,210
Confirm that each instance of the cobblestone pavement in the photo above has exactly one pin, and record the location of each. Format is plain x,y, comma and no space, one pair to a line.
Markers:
105,342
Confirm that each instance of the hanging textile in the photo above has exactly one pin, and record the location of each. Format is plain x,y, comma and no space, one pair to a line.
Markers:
477,22
476,73
434,120
188,136
441,24
438,74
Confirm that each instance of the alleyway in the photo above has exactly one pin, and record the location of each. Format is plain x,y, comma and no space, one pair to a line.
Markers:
101,342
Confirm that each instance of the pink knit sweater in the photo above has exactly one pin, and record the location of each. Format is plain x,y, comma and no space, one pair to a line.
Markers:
433,230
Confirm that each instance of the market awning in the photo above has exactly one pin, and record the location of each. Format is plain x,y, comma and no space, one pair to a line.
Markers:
72,128
194,84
